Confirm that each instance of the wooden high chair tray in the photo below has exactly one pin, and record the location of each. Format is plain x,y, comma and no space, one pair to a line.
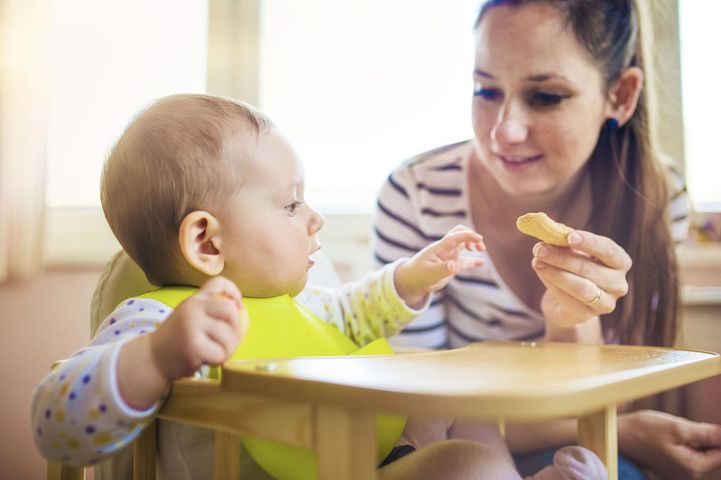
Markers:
335,398
520,381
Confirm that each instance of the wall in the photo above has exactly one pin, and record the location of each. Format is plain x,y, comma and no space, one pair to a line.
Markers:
41,320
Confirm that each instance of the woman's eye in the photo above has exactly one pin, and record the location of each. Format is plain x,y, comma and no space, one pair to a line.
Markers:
486,93
544,99
292,207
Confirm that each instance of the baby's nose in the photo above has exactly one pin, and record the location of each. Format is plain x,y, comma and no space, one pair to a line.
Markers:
316,222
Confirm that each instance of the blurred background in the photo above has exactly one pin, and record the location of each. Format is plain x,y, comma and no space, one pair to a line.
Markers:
357,86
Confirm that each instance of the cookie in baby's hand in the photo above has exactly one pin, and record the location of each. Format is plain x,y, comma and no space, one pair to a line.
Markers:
541,226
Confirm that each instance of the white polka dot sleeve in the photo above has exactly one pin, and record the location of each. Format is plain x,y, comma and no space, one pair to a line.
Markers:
78,414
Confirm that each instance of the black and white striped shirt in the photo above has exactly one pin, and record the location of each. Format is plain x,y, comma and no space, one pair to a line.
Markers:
423,199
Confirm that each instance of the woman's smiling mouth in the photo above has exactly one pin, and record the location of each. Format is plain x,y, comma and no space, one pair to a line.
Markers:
518,163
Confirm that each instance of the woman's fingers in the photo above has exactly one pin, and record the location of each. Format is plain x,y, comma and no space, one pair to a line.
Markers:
586,294
604,249
705,436
610,280
587,279
573,312
695,461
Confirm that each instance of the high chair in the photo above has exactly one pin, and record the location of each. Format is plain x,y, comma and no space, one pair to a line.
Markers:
329,404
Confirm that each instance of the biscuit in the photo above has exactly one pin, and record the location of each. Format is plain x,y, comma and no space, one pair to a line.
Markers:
541,226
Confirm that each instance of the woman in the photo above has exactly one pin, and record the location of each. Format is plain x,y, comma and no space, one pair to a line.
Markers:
561,122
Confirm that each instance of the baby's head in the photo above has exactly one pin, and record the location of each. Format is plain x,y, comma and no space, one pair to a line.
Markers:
199,186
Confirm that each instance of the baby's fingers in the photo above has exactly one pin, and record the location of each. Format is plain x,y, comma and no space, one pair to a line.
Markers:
224,337
226,311
244,319
462,238
211,351
222,287
467,263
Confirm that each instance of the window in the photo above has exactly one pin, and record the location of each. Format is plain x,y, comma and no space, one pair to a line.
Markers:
359,86
109,60
701,100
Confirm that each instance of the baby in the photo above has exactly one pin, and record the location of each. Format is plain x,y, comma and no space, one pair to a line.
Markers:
205,192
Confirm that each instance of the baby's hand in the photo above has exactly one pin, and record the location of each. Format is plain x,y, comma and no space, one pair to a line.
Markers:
433,267
204,329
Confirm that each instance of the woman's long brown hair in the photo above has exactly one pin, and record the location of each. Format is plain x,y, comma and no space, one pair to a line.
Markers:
630,186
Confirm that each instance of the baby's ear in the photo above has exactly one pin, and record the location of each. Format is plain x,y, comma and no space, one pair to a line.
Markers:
198,239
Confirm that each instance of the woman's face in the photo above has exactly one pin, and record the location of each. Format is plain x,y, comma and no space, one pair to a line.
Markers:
539,101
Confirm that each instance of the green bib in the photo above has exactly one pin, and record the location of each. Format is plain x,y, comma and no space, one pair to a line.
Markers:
280,327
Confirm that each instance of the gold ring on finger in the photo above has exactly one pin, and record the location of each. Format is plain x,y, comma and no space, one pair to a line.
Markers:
596,298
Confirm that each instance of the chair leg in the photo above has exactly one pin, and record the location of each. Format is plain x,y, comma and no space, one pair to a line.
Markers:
345,444
227,456
61,472
597,431
144,450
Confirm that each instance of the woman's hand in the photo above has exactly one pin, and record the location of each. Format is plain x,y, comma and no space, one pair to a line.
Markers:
671,447
582,281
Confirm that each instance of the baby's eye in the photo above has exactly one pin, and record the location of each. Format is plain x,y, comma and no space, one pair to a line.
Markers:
545,99
486,93
293,206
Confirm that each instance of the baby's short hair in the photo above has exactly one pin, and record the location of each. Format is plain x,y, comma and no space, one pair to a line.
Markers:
175,157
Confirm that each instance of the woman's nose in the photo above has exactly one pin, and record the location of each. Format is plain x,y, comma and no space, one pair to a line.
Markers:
511,127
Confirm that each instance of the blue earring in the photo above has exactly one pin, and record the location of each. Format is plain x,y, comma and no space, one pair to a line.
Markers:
611,124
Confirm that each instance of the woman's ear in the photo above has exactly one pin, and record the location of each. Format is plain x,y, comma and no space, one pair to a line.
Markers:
625,93
199,242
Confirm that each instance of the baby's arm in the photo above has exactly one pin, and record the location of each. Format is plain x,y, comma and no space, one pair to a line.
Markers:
363,310
375,306
100,399
78,415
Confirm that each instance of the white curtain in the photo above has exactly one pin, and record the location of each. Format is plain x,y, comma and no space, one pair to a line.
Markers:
24,28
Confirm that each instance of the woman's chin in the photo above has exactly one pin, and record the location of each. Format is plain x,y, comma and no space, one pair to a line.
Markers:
529,187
